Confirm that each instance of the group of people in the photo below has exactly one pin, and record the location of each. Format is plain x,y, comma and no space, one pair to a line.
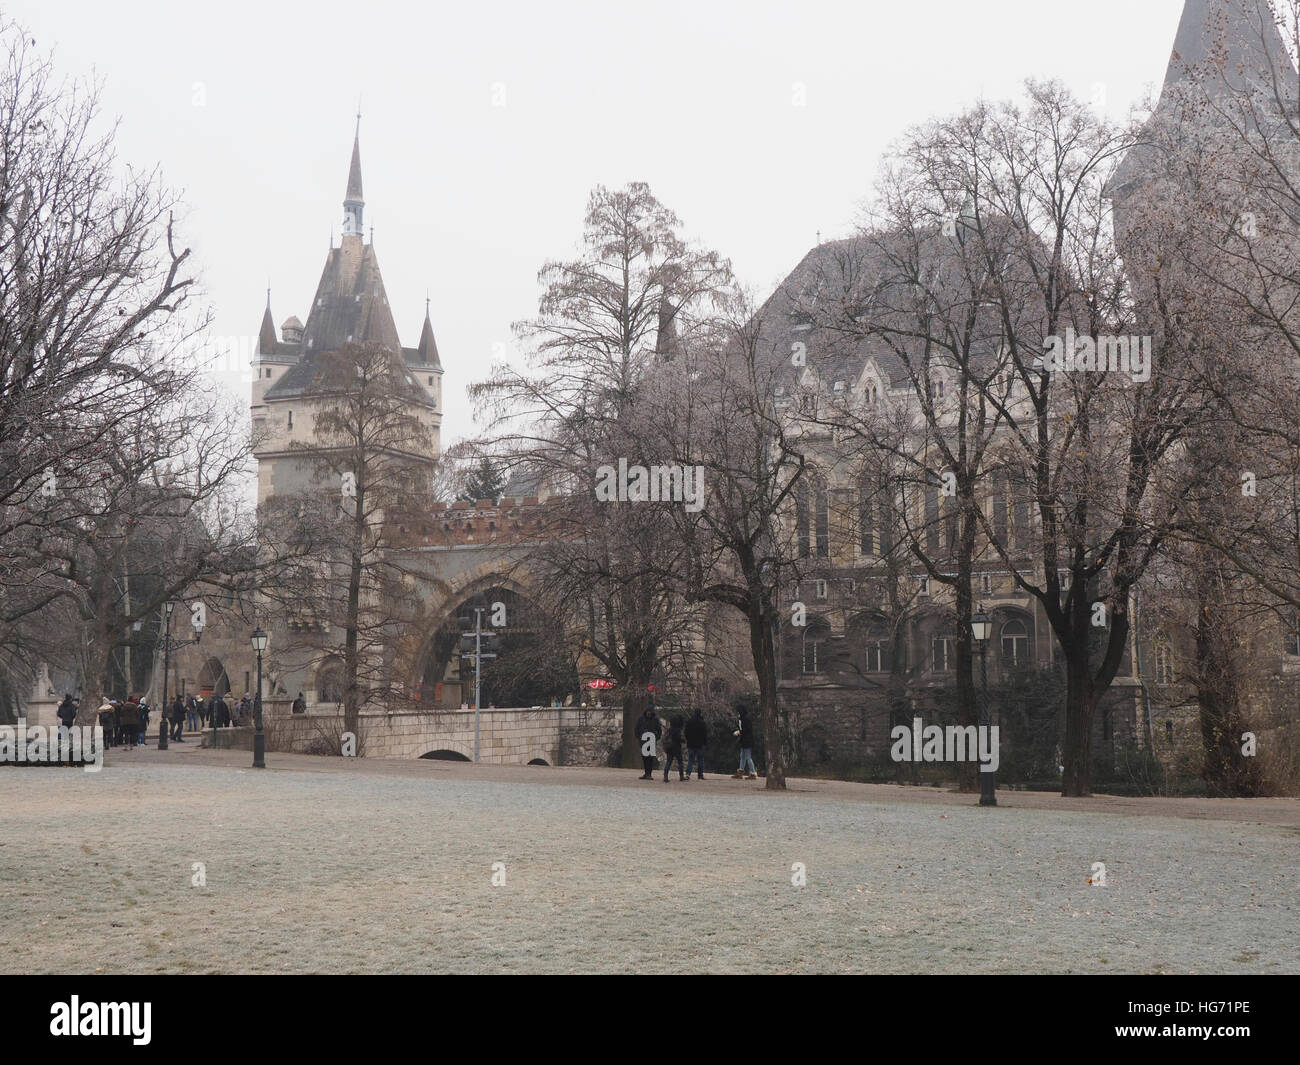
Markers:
693,735
126,721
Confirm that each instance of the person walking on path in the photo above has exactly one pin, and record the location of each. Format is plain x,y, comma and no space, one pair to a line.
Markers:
745,732
67,710
191,713
673,749
648,730
128,719
697,738
219,713
107,714
144,721
178,717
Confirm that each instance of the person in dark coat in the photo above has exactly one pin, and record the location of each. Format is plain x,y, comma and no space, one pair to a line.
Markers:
107,714
144,720
128,720
673,749
697,738
177,718
648,730
67,710
220,712
745,732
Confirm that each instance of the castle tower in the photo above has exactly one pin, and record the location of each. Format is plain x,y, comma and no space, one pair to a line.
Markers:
350,307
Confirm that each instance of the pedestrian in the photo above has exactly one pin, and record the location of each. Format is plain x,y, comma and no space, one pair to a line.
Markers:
144,721
648,730
178,715
220,713
673,749
107,714
67,711
745,732
191,713
203,711
697,738
300,704
128,719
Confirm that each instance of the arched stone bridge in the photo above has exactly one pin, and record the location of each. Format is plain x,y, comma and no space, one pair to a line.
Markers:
553,736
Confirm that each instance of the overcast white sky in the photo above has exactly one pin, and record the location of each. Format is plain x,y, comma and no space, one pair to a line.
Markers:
248,108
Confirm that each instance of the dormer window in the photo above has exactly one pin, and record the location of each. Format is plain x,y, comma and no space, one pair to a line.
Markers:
802,324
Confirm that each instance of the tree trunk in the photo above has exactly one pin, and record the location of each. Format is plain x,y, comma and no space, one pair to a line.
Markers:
351,659
763,647
1080,706
1227,772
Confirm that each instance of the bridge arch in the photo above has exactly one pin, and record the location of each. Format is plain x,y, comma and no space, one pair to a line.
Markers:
447,751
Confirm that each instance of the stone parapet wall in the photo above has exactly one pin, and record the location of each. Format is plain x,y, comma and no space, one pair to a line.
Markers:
506,736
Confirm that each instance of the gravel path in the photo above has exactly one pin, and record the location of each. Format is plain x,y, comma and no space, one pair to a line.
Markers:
376,869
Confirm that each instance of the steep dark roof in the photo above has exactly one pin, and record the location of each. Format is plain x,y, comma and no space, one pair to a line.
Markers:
816,306
1221,47
428,348
266,339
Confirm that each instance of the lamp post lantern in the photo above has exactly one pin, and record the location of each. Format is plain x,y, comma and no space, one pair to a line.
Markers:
259,640
981,627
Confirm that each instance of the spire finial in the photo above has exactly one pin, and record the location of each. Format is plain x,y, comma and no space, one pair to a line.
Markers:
353,200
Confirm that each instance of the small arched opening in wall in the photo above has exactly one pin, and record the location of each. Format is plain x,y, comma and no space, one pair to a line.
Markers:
540,761
212,679
442,754
329,681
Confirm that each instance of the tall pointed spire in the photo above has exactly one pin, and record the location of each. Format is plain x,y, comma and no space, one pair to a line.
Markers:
353,200
1229,44
428,347
1222,48
266,335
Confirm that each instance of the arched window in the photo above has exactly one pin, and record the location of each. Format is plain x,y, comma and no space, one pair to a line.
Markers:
1015,642
1164,663
329,681
943,651
816,638
812,516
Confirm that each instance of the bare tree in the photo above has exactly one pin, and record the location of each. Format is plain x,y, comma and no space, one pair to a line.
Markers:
371,454
569,412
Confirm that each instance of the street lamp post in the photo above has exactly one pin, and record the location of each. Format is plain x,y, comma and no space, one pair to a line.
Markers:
981,627
168,642
478,654
164,726
260,640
